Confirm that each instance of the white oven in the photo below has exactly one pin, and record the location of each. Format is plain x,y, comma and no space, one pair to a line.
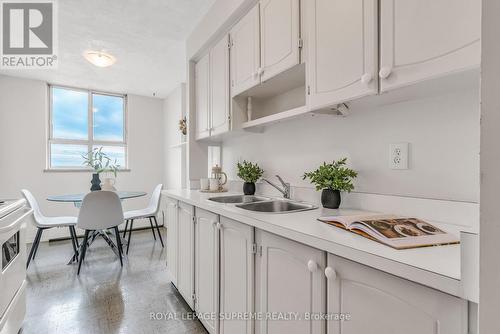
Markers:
13,217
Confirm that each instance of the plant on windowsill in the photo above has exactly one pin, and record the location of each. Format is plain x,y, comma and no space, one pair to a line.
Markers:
331,179
249,172
100,163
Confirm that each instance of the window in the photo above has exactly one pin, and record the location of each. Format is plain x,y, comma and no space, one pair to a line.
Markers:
81,120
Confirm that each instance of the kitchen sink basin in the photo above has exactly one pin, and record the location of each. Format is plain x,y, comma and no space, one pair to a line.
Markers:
277,206
238,199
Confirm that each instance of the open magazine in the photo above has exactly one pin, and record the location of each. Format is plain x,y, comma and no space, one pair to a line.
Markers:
395,231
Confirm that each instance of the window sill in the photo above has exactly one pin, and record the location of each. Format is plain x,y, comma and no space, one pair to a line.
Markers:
76,170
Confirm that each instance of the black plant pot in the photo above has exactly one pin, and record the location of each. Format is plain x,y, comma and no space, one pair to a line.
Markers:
96,182
249,188
330,199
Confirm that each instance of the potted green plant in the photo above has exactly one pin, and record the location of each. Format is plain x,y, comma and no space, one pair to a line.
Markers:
249,172
331,179
100,163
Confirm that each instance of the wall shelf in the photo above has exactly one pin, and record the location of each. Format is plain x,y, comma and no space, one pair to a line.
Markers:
259,123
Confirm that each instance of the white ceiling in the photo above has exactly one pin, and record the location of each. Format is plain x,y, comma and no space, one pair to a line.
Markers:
146,36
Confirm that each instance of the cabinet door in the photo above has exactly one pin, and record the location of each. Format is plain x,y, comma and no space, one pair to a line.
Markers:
202,99
185,266
236,275
219,87
342,47
289,278
245,53
421,39
379,303
207,267
172,238
279,36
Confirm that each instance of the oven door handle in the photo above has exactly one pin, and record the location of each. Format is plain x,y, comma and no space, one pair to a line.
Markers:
15,222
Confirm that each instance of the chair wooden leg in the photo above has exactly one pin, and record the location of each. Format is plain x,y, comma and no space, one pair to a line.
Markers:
130,234
158,229
84,250
126,226
119,242
152,228
33,246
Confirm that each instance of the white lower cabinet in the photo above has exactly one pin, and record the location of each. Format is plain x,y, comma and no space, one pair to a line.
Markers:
289,281
233,270
379,303
172,238
207,269
185,248
236,276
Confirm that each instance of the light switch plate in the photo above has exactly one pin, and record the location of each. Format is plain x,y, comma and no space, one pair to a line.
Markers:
398,156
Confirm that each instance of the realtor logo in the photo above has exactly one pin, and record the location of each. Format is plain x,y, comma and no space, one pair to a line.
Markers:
28,33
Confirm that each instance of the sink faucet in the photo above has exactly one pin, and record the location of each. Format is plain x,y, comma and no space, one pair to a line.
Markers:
286,186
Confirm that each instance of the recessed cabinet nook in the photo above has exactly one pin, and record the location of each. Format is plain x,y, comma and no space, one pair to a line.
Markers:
286,58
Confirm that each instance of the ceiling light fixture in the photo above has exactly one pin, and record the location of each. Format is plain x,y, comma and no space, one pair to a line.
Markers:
99,58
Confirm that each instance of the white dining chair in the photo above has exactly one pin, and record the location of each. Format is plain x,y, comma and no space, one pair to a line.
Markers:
149,212
100,210
43,223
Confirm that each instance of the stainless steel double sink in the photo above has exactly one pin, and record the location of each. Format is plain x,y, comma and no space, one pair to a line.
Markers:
263,204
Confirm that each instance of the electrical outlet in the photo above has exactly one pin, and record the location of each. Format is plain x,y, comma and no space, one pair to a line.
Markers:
398,156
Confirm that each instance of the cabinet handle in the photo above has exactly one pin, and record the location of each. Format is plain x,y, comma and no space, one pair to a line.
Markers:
217,225
261,71
366,78
330,273
256,74
385,72
312,266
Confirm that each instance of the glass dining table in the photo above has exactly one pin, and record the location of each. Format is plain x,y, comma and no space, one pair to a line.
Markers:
77,200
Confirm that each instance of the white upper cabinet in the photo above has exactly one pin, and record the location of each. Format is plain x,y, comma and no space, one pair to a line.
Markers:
245,53
207,268
379,303
289,278
342,50
279,36
172,238
212,91
219,87
202,101
185,247
421,39
236,275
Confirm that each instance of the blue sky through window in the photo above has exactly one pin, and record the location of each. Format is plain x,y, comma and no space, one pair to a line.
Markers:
108,117
66,155
70,121
69,114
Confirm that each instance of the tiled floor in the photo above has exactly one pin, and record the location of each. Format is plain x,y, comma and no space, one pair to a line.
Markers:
104,298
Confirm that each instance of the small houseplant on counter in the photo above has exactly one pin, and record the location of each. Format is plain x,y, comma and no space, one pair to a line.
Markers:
100,163
249,172
331,179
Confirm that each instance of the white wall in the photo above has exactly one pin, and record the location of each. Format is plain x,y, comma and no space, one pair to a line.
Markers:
23,123
443,133
490,170
174,155
219,18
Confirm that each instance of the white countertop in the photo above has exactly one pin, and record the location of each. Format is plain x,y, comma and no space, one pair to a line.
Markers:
437,267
